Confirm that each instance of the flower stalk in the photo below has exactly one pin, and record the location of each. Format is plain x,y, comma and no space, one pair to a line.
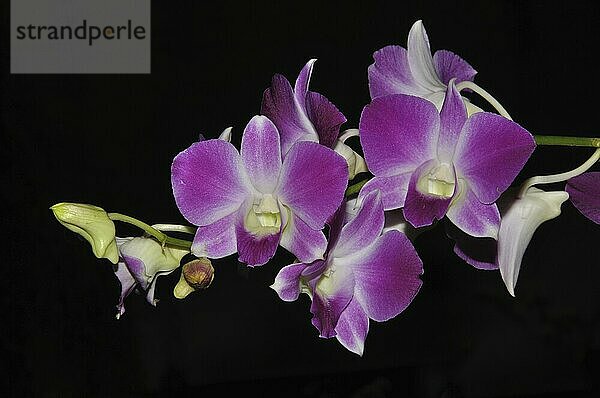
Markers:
163,238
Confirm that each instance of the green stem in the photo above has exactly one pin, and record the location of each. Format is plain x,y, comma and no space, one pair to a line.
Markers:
567,141
355,188
161,237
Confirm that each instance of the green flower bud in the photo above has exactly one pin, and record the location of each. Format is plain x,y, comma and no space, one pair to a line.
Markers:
195,275
93,224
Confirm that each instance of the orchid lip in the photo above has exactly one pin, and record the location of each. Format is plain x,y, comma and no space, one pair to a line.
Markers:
438,181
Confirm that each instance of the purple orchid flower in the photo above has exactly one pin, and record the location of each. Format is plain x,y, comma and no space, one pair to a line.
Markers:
434,164
251,201
365,275
141,262
584,192
300,114
414,71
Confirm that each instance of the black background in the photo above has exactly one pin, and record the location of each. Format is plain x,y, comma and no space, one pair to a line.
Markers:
109,140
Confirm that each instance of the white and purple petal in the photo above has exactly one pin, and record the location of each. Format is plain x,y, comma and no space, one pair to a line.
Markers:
450,66
393,189
302,241
472,216
325,117
352,327
452,118
208,181
332,293
490,153
261,153
420,59
398,133
312,182
287,282
386,275
216,240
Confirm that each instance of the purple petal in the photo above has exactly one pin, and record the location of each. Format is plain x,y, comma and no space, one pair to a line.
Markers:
472,216
478,252
325,117
398,133
287,282
422,209
137,269
449,66
386,275
152,288
452,118
281,107
331,296
352,327
302,82
302,241
127,282
584,192
390,74
393,189
363,229
490,152
254,250
312,183
261,153
208,182
216,240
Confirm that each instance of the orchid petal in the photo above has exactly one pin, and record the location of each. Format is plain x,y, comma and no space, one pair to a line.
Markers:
254,249
472,216
490,153
331,295
302,82
363,229
449,65
386,275
151,257
225,135
420,59
261,153
584,192
352,327
302,241
452,118
398,133
390,74
208,181
312,182
280,105
152,288
216,240
421,209
393,189
519,223
287,282
325,117
127,282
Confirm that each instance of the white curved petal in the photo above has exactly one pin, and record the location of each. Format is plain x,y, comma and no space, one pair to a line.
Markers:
420,59
519,223
226,134
154,257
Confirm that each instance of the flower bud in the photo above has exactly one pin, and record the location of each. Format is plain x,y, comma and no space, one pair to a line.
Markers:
93,224
195,275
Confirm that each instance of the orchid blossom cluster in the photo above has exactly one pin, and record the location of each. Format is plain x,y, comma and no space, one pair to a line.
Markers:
350,215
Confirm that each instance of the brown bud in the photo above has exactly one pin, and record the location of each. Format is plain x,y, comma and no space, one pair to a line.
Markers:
199,273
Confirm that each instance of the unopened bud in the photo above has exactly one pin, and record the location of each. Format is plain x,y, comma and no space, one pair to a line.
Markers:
93,224
195,275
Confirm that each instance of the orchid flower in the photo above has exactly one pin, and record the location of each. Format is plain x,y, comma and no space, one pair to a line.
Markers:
141,261
519,223
303,115
434,164
414,71
584,192
365,275
251,201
